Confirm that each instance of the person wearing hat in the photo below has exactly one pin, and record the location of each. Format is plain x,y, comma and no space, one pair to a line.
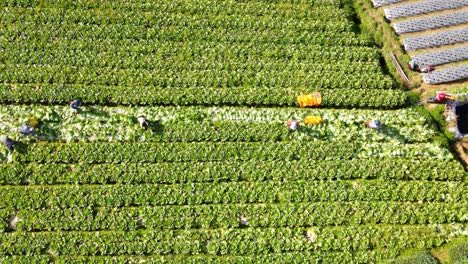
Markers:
415,67
293,124
27,130
374,124
143,122
75,105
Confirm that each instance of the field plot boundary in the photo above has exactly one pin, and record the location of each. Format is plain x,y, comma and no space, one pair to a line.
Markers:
436,39
432,22
422,7
379,3
447,75
442,57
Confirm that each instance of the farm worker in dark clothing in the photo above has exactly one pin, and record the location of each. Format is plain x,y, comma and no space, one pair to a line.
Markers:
75,105
143,122
27,130
8,142
374,124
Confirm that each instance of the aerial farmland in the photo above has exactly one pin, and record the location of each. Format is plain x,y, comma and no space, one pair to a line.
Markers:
220,131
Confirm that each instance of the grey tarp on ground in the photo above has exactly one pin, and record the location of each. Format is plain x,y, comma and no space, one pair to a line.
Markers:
436,39
446,75
422,7
442,57
379,3
431,22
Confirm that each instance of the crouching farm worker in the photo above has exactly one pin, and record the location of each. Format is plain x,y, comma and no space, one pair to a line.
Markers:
27,130
75,105
415,67
293,124
143,122
374,124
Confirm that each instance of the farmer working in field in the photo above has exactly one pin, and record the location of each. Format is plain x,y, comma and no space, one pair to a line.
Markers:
75,105
374,124
27,130
293,124
143,122
415,67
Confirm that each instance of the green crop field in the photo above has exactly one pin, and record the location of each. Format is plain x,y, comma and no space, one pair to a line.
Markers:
219,178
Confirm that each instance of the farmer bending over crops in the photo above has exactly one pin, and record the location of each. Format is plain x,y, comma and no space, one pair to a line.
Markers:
374,124
143,122
27,130
75,105
9,143
293,124
412,65
415,67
